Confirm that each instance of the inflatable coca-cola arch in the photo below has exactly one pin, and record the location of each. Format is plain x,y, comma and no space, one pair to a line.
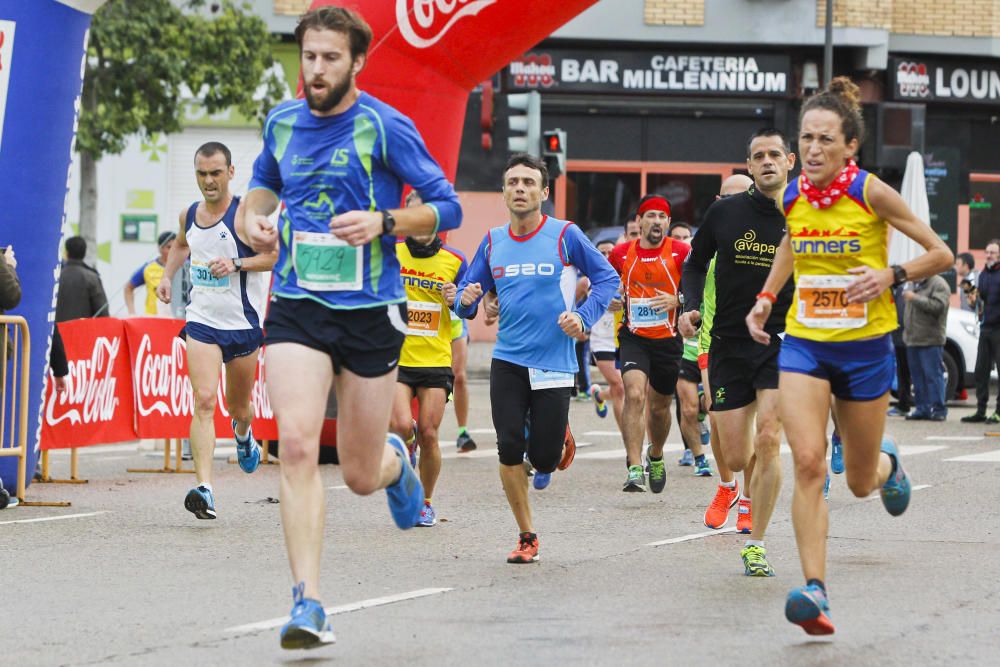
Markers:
428,54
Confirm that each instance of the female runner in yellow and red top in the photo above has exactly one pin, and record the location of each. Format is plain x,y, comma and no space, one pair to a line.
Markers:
837,341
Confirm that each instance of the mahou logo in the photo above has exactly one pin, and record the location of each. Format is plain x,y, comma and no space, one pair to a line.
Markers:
424,22
533,71
90,388
161,385
912,80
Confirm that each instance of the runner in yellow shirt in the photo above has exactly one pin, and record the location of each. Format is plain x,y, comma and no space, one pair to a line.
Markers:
427,267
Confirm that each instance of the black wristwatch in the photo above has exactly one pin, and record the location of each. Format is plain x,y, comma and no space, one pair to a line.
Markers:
388,222
898,275
238,263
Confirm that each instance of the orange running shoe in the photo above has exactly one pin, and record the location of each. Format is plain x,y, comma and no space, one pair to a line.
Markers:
526,551
717,513
569,450
744,519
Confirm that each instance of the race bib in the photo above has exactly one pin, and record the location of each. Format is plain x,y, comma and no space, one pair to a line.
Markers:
641,314
202,279
540,379
324,263
822,303
423,318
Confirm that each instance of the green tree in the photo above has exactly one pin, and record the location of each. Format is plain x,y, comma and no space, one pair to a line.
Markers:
146,58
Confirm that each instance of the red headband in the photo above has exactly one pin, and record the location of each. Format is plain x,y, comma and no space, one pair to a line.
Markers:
655,204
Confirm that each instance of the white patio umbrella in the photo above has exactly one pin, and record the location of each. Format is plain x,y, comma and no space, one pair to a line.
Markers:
902,248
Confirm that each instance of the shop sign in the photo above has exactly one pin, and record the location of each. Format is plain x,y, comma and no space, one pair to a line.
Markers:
928,80
646,72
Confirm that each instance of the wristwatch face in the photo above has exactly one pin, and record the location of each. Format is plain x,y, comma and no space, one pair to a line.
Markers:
238,263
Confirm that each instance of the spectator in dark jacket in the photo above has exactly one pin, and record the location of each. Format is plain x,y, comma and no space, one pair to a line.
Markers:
965,276
988,354
81,293
904,397
10,287
924,323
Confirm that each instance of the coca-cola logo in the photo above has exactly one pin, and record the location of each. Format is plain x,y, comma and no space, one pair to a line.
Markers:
161,383
424,22
533,71
90,395
912,80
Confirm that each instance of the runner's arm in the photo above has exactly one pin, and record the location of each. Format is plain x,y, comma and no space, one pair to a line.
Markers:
695,269
178,254
889,205
781,272
582,254
410,160
262,261
479,272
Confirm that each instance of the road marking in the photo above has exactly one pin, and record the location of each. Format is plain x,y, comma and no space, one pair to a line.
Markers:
917,487
692,536
912,450
339,487
956,438
52,518
602,434
982,457
342,609
489,431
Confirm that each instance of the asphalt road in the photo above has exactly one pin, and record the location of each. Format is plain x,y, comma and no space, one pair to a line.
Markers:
126,576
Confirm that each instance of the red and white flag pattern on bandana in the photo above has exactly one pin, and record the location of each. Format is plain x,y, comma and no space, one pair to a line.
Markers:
829,195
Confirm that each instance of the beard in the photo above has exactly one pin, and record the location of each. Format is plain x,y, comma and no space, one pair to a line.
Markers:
331,99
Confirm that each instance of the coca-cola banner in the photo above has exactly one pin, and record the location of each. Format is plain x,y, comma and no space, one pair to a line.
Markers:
428,54
97,406
164,402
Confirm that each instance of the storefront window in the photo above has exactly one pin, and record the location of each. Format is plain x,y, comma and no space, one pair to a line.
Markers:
601,199
984,213
689,195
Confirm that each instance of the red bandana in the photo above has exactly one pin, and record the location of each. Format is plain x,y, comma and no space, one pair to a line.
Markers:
655,204
829,195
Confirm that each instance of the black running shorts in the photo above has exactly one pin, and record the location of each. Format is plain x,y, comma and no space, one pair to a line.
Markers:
738,367
517,410
365,341
426,378
656,357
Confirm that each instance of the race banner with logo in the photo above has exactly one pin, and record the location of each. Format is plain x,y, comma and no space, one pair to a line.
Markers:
932,80
40,40
97,405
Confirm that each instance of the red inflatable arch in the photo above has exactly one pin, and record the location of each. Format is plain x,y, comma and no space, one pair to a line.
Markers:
428,54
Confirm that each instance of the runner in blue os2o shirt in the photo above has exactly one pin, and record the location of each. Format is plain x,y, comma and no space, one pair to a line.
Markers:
535,280
354,161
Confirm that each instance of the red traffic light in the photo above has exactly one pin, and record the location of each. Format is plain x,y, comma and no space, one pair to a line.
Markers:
552,143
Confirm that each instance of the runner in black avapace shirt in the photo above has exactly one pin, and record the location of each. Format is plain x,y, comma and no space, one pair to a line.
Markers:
743,232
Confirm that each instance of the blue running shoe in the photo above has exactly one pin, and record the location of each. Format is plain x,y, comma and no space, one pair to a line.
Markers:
600,405
309,626
808,608
836,454
896,490
428,517
541,480
706,435
702,468
247,451
200,502
826,486
687,458
406,494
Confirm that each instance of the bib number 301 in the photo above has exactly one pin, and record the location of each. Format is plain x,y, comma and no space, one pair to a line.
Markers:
324,263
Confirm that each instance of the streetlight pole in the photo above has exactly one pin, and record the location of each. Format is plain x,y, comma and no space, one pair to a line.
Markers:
828,45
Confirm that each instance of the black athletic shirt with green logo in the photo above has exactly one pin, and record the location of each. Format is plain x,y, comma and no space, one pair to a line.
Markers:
744,230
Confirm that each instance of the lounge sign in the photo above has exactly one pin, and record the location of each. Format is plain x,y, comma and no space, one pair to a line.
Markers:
925,80
646,72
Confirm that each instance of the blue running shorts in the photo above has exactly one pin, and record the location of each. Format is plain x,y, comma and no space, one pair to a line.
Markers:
236,343
857,370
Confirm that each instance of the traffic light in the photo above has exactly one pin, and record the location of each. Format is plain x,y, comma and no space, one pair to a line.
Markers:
554,151
529,122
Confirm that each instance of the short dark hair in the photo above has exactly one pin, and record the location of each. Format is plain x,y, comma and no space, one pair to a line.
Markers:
968,259
531,162
683,225
603,241
211,148
338,19
76,247
769,132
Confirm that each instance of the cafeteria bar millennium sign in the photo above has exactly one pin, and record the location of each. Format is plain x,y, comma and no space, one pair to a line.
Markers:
924,80
557,70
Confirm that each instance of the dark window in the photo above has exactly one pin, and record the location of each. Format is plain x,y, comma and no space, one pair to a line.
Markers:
689,195
601,199
984,213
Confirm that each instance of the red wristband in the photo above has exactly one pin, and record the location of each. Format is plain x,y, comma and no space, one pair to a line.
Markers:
767,295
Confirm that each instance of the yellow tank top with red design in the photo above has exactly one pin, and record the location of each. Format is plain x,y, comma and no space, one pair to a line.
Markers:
825,244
